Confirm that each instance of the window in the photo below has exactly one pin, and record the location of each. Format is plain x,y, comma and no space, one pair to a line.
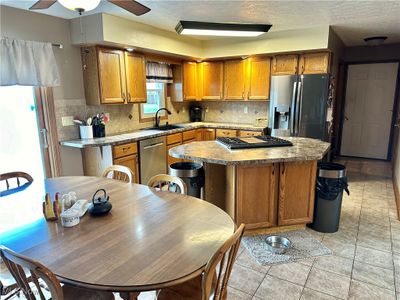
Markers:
155,100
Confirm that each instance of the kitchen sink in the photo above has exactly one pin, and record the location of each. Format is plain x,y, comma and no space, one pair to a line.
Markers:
164,127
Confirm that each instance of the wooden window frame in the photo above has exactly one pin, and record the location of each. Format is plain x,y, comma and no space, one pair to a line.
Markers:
47,120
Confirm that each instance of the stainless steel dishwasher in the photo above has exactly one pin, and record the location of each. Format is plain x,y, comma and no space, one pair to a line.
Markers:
153,158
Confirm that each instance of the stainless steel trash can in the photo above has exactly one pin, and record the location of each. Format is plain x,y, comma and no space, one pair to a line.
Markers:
191,173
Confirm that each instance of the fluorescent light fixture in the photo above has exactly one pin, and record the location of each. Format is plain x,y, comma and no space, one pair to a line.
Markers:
221,29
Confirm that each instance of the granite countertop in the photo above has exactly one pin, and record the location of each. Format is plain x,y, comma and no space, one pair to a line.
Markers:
213,152
143,134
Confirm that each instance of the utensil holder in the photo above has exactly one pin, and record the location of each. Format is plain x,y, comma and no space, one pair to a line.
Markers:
86,132
99,130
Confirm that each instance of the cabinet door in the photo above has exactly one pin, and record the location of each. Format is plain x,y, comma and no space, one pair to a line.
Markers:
245,133
234,79
112,76
189,80
208,134
257,190
225,133
315,63
199,134
170,159
211,80
284,65
130,161
135,78
259,78
296,192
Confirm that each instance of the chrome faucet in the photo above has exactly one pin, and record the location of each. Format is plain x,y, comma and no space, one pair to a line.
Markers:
157,118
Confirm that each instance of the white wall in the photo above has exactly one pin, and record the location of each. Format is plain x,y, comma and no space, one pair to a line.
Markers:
20,24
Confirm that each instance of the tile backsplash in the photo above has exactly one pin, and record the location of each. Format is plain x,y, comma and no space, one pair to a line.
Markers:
227,112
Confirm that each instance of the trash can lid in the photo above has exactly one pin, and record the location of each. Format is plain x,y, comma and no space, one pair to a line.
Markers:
331,170
185,169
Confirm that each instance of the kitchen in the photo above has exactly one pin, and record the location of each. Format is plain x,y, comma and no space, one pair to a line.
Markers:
232,81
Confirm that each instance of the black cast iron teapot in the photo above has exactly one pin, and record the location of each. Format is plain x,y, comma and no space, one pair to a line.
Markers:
100,205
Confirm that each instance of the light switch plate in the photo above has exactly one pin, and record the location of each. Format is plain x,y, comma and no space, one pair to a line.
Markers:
67,121
246,110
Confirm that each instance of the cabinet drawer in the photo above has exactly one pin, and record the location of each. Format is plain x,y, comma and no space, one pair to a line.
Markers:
249,133
189,135
225,133
124,150
174,138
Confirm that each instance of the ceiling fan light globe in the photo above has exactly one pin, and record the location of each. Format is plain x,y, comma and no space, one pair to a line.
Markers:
79,5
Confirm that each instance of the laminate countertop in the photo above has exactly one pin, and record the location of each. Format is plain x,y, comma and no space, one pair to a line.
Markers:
143,134
303,149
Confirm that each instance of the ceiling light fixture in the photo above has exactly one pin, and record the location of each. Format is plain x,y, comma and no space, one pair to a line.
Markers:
221,29
375,40
130,49
80,5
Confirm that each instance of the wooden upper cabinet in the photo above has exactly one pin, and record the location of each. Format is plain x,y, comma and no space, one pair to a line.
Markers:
211,80
112,76
314,63
259,77
284,64
189,71
234,79
135,77
296,192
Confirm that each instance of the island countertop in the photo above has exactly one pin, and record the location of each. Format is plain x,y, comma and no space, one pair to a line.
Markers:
303,149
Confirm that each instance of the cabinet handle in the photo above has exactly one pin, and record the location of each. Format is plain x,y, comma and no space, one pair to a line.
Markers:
283,169
124,149
129,96
273,169
123,96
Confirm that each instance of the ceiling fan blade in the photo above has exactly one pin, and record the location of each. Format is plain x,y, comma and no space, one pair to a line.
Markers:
131,6
43,4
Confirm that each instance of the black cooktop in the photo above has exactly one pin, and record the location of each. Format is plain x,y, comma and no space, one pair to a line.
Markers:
253,142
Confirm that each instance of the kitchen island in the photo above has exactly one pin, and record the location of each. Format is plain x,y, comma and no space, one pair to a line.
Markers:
264,187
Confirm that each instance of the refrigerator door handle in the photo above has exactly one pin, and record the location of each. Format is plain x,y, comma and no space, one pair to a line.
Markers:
299,104
293,110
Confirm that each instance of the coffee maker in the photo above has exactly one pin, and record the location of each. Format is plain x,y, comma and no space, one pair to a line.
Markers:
196,114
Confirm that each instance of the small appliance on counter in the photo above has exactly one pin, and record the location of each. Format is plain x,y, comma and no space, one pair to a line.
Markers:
196,114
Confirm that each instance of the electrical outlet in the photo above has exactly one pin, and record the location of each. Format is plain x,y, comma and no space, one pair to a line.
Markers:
246,110
67,121
183,109
206,109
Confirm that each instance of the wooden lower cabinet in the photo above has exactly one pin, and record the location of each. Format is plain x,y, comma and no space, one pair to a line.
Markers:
296,192
170,159
256,195
208,134
173,140
225,133
244,133
130,161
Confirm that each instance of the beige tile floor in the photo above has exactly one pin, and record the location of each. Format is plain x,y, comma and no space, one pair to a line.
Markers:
366,250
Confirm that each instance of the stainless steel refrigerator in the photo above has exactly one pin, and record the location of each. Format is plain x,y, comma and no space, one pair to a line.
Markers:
298,105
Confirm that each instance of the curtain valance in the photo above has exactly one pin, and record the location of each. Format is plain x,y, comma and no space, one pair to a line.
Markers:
27,63
158,72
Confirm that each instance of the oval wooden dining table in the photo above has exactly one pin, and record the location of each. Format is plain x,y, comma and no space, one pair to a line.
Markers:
148,241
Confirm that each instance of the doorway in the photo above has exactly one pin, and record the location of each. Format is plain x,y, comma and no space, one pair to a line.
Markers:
368,112
21,150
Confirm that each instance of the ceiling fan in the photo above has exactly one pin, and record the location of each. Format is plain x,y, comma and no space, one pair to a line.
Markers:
85,5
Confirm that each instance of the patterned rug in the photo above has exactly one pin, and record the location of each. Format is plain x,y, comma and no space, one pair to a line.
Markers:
303,246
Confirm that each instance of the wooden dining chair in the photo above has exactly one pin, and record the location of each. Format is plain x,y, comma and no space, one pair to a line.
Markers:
121,173
168,183
41,282
14,177
213,283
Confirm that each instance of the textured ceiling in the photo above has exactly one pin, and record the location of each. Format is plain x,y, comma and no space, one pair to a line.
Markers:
352,20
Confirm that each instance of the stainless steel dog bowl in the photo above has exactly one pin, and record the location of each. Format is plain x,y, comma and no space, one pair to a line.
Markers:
278,244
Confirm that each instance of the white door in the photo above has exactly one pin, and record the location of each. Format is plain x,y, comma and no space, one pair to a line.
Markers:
370,92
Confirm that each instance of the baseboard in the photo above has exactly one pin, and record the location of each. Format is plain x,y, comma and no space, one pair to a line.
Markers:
396,194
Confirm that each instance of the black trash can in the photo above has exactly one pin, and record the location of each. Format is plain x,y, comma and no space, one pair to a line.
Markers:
191,173
331,181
